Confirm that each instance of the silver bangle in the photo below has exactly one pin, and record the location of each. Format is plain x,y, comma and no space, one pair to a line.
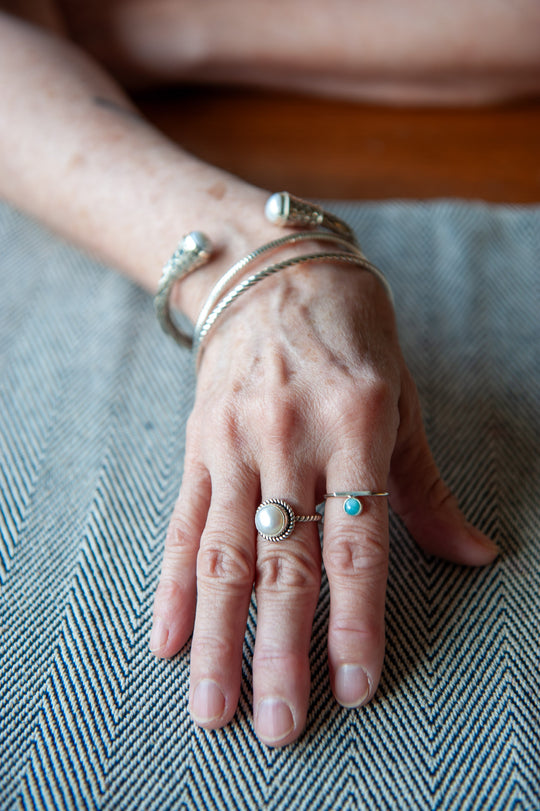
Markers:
193,251
284,209
246,284
291,239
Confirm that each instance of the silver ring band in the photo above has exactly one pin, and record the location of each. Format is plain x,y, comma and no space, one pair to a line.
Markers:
275,519
353,505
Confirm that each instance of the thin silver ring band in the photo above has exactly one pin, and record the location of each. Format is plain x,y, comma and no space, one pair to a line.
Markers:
352,504
355,494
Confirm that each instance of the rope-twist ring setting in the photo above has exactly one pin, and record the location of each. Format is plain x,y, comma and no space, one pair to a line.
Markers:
275,519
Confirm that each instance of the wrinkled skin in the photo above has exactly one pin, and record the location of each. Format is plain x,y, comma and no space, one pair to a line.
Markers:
302,390
302,387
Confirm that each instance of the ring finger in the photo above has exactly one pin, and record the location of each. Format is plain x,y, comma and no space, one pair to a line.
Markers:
355,555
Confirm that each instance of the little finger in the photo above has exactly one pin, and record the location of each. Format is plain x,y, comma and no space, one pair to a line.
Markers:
174,602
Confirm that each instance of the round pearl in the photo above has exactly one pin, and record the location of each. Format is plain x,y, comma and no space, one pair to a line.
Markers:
197,242
271,520
275,209
352,506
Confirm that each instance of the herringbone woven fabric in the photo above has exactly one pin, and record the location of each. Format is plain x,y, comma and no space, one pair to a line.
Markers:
93,404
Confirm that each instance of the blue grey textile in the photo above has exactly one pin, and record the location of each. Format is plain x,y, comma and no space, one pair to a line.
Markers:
94,400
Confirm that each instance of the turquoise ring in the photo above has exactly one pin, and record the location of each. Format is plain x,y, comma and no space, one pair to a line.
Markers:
353,505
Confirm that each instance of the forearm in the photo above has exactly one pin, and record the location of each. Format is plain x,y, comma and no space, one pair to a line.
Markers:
426,51
75,153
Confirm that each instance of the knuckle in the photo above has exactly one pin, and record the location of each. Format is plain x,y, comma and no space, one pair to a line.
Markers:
226,565
227,422
194,438
365,633
213,647
281,420
278,571
179,534
344,558
193,424
346,402
363,407
168,596
274,659
379,402
380,392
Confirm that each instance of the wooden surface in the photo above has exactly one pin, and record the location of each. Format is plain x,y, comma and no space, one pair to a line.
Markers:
333,149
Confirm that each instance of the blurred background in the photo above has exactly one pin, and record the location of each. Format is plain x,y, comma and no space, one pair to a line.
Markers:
330,149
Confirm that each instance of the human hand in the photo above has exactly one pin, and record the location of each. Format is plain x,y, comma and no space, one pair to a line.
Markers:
302,390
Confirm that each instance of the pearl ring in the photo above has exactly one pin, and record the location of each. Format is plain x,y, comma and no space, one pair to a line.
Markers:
275,519
352,504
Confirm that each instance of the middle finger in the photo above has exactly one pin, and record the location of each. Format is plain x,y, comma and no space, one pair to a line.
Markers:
287,588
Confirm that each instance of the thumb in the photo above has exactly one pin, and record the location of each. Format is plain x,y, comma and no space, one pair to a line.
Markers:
419,495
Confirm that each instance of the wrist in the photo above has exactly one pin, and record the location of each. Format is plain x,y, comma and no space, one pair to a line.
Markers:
302,225
231,240
306,224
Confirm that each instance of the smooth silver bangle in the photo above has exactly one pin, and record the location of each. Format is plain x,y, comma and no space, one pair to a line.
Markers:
290,239
193,251
250,281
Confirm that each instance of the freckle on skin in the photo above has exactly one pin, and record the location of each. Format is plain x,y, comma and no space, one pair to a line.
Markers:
76,161
218,190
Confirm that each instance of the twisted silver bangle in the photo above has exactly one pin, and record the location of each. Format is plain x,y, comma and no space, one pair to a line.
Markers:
349,258
290,239
282,208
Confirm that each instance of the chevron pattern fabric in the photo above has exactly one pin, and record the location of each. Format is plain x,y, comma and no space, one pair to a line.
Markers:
93,405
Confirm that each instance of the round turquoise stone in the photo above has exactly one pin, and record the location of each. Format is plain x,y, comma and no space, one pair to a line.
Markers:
352,506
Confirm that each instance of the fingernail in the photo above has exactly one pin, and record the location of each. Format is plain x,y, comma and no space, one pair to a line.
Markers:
351,686
208,702
483,540
159,635
274,720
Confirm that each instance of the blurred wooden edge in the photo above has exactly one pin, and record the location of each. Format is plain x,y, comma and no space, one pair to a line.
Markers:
336,149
